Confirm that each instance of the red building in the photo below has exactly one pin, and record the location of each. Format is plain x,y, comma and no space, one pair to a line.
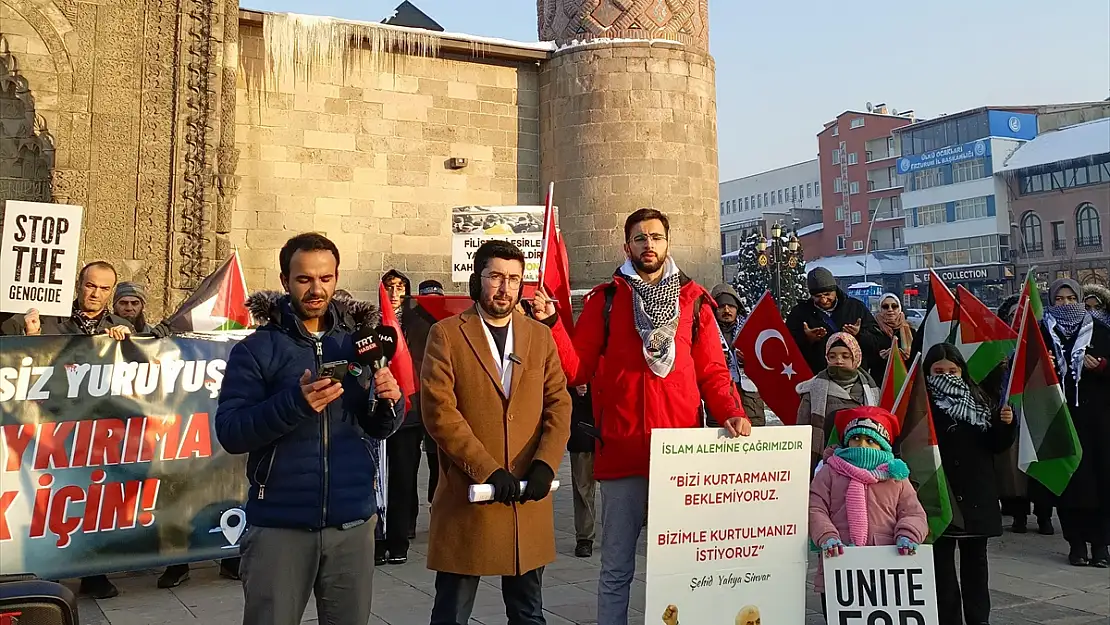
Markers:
859,180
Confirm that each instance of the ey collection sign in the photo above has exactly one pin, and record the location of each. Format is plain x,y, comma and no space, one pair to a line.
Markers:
39,259
877,586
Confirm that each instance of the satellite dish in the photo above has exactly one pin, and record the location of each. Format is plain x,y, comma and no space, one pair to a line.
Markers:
893,111
870,107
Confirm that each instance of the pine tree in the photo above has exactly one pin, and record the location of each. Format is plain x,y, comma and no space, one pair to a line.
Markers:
751,279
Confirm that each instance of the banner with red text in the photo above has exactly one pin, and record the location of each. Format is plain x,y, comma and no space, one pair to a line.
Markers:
108,457
727,518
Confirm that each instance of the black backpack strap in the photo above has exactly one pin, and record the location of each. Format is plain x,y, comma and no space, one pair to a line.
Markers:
609,292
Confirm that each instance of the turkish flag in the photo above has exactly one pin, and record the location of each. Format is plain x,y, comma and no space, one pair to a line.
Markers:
401,365
772,359
554,265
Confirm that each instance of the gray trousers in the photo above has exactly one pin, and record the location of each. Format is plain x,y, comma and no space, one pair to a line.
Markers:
282,567
623,506
582,479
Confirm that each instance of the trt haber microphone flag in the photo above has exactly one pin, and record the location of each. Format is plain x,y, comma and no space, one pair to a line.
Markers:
772,359
554,264
401,364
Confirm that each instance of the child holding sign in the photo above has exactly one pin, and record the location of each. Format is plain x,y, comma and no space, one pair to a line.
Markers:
861,496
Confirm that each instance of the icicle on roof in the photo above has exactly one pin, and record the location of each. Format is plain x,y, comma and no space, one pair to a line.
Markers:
306,47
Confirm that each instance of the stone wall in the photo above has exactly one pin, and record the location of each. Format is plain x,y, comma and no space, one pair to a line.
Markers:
628,125
89,96
361,156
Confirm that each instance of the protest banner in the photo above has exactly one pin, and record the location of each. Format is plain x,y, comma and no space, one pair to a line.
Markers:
876,586
38,265
471,226
727,518
108,456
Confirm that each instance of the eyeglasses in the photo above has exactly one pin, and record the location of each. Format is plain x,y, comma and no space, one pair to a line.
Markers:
891,306
654,237
497,279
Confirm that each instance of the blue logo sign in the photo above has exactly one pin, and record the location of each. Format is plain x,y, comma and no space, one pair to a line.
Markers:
943,156
1015,124
1012,125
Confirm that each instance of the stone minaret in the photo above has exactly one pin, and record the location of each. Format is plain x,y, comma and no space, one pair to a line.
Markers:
628,119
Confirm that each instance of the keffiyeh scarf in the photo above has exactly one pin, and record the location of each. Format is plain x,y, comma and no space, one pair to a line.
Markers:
655,308
1064,322
952,395
728,340
87,325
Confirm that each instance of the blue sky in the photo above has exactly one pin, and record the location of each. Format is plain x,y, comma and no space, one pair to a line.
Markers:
785,68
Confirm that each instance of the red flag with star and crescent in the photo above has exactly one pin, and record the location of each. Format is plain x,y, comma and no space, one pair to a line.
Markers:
772,359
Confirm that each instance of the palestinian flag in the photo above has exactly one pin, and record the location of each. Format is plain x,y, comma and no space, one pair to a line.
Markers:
940,316
982,337
1048,446
917,446
961,319
219,303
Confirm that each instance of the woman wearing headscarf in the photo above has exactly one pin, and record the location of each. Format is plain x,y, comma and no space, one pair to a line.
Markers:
892,321
1096,298
1080,348
844,383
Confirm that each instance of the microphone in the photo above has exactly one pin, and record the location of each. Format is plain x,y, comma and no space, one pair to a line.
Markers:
375,347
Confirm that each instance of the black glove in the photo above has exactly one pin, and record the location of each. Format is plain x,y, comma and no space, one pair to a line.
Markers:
539,478
506,488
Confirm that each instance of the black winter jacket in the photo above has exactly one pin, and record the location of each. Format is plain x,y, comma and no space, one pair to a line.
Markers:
848,310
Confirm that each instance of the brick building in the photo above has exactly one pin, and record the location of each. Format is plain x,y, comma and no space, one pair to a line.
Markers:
1059,190
859,182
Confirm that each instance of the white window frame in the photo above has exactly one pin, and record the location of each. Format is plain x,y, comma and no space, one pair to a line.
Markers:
853,158
853,188
840,246
932,214
857,123
856,217
857,246
972,208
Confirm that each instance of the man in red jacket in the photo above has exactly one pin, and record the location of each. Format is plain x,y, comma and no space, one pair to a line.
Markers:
656,328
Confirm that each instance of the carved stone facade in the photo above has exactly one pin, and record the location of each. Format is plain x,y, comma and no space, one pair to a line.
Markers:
686,21
138,143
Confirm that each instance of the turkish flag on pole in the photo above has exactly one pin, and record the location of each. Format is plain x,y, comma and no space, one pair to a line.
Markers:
554,265
401,365
772,359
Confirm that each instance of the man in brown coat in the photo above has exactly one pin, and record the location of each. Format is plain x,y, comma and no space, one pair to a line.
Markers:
494,398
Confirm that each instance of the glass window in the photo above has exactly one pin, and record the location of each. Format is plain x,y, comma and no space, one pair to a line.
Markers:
836,157
857,245
853,158
1080,176
809,189
975,208
1087,226
817,186
840,213
1059,236
856,217
931,214
1031,235
840,241
780,196
853,188
765,199
857,122
969,170
927,178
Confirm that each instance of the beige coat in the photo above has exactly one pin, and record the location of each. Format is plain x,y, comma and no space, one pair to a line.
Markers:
479,430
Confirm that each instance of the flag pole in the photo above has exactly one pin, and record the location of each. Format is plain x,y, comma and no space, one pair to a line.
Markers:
548,225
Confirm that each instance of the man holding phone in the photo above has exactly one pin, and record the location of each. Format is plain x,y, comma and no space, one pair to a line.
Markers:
295,399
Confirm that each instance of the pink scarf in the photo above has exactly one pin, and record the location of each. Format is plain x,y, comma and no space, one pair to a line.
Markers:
856,496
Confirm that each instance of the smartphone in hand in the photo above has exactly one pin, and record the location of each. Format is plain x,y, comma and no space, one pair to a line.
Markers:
334,370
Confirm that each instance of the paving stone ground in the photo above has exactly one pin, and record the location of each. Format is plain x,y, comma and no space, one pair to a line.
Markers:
1031,583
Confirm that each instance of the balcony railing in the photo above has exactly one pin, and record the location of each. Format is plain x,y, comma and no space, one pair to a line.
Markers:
1087,245
1033,251
1059,247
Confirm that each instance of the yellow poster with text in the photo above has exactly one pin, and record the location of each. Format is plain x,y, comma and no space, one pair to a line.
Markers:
727,518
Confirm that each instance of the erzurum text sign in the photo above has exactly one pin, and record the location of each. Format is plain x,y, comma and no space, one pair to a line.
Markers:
38,262
727,537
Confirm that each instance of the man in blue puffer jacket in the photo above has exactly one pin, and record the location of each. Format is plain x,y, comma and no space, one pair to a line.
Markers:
311,507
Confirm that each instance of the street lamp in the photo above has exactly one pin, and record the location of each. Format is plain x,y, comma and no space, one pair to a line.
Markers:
775,251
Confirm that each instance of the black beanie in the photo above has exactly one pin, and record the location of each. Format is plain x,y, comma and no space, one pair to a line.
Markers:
820,280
